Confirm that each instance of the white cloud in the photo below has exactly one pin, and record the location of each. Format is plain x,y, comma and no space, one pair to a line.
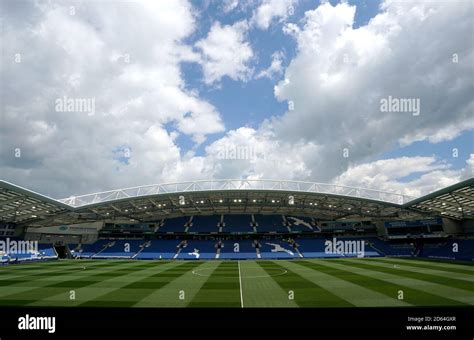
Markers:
268,157
129,61
446,133
230,5
127,58
340,74
225,52
388,175
270,10
275,68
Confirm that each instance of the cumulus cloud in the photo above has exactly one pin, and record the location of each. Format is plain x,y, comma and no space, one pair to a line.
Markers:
270,10
256,154
129,61
341,73
275,68
229,5
225,52
129,67
394,175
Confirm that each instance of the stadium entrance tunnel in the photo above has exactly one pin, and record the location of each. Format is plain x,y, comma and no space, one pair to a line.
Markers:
63,252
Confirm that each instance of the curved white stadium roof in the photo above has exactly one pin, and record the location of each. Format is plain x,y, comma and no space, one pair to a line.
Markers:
237,184
153,202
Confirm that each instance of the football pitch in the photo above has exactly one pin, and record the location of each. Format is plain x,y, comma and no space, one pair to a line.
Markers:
376,282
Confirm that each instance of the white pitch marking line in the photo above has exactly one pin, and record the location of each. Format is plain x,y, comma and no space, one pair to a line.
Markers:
283,272
240,284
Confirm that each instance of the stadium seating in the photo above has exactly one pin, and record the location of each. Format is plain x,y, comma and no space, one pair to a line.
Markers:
237,223
444,250
388,249
316,248
207,249
47,250
246,250
270,223
205,224
198,249
218,244
277,249
118,248
110,249
174,225
301,224
159,249
87,250
311,247
44,252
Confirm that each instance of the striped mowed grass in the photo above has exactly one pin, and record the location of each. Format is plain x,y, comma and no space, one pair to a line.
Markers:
375,282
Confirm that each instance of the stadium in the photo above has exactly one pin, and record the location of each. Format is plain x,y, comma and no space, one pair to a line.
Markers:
238,243
236,168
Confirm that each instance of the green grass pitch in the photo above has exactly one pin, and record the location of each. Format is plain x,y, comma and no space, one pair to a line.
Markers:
377,282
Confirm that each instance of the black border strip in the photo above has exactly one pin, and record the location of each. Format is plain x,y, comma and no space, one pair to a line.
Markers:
314,323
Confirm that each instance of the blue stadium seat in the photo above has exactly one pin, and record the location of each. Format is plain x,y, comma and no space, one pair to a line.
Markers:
198,249
388,249
204,224
316,248
87,250
270,223
174,225
277,249
159,249
307,247
245,247
444,250
301,224
237,223
45,251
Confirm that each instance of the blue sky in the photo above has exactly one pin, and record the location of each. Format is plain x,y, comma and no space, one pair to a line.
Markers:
248,104
177,84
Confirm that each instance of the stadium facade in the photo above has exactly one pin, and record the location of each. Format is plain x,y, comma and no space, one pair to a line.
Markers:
240,219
